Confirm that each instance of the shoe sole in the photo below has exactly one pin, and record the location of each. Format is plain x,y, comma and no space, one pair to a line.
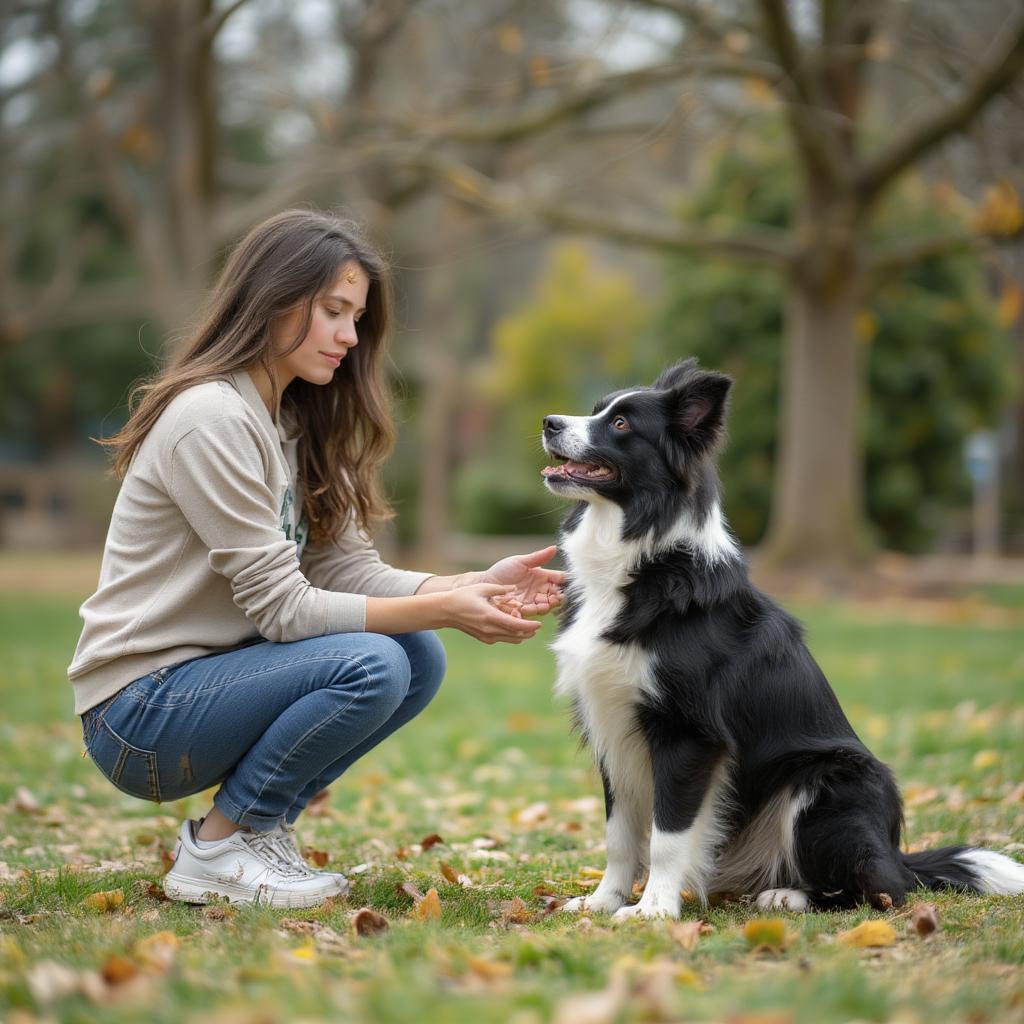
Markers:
194,890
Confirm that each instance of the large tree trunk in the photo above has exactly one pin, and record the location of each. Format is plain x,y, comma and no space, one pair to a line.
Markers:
818,497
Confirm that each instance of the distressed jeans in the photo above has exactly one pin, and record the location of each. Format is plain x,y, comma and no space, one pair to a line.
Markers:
273,723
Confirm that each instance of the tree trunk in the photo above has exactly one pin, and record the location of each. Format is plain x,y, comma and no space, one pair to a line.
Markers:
817,514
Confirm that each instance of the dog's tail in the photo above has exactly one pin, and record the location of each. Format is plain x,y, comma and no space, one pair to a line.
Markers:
966,867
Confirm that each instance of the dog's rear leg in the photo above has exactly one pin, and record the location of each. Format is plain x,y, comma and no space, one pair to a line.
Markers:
628,813
688,780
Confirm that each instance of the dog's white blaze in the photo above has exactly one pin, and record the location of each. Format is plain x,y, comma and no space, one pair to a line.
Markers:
998,875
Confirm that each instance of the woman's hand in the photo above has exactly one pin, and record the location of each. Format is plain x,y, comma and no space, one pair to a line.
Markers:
476,610
535,590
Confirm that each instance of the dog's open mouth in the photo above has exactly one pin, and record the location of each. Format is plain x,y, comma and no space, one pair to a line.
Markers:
587,472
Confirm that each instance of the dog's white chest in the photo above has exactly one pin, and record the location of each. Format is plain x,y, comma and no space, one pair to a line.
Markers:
604,679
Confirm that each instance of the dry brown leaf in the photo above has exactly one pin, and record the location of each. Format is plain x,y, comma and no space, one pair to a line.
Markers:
535,814
156,952
687,933
156,892
868,934
924,919
432,840
104,902
543,890
320,805
489,970
449,873
515,911
318,857
410,889
217,913
881,901
402,853
26,802
118,969
367,922
553,903
428,908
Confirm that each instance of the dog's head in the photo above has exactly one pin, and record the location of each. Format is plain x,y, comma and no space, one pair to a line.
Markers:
647,442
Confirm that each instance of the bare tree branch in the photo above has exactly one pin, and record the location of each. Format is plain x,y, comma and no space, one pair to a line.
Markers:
589,97
805,105
887,258
754,246
216,20
1005,66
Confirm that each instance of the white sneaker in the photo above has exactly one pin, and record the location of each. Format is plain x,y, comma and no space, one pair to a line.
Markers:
285,838
246,867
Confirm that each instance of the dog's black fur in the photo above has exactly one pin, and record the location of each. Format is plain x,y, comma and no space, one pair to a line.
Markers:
732,681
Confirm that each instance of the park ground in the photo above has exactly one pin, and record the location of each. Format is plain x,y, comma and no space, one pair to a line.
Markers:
487,800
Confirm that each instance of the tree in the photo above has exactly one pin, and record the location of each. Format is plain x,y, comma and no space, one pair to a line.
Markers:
936,356
828,67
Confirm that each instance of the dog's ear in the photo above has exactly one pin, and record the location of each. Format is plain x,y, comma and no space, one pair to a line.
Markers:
675,375
697,415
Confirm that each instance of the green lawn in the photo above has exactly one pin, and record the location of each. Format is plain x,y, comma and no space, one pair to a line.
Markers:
941,701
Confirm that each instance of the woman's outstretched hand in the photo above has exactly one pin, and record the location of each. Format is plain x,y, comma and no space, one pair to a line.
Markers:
483,610
537,590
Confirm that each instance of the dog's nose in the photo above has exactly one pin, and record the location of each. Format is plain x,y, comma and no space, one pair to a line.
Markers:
553,424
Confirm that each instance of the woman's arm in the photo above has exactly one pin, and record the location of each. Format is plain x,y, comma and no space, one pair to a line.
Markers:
469,608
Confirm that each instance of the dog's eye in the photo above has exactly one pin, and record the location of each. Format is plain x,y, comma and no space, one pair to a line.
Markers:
619,423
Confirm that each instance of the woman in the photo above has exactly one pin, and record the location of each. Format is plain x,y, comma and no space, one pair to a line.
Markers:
245,632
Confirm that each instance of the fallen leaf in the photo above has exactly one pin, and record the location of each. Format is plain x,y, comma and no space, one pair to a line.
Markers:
428,908
455,877
318,857
881,901
320,805
535,814
687,933
217,913
985,759
104,901
367,922
156,892
591,873
515,911
432,840
924,919
767,933
868,934
156,952
488,970
410,889
118,969
25,802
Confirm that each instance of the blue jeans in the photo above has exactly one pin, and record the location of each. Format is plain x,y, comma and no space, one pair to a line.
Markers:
272,723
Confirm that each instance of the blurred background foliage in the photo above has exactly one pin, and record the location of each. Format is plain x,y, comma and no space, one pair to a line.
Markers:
938,356
755,183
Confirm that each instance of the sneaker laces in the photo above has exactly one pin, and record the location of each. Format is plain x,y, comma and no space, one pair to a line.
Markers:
266,845
284,840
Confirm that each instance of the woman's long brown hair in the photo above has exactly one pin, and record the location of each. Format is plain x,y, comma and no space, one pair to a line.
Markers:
346,428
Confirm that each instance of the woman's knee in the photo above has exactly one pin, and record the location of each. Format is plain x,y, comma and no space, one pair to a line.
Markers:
428,663
387,673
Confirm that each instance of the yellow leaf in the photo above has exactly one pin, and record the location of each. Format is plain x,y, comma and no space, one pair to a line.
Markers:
869,934
510,39
156,952
1011,301
986,759
488,970
104,901
428,908
865,326
767,933
1000,211
591,873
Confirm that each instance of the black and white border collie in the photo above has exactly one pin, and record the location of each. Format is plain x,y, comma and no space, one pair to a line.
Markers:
727,762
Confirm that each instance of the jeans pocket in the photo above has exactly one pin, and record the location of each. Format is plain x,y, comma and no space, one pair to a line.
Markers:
131,769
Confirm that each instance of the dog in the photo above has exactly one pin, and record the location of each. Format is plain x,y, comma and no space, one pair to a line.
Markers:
727,763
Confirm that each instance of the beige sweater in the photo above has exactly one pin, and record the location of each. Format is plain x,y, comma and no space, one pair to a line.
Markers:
203,551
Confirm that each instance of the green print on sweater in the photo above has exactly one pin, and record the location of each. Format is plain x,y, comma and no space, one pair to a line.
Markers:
300,532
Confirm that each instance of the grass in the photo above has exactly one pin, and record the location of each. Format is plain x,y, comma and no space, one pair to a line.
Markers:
491,768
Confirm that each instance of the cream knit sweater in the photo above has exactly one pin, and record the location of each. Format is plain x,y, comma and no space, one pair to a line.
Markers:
203,551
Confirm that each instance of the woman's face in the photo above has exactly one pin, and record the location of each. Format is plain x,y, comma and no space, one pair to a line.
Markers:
332,330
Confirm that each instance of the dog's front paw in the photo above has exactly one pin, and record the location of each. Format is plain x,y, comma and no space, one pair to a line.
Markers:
595,903
783,899
638,910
